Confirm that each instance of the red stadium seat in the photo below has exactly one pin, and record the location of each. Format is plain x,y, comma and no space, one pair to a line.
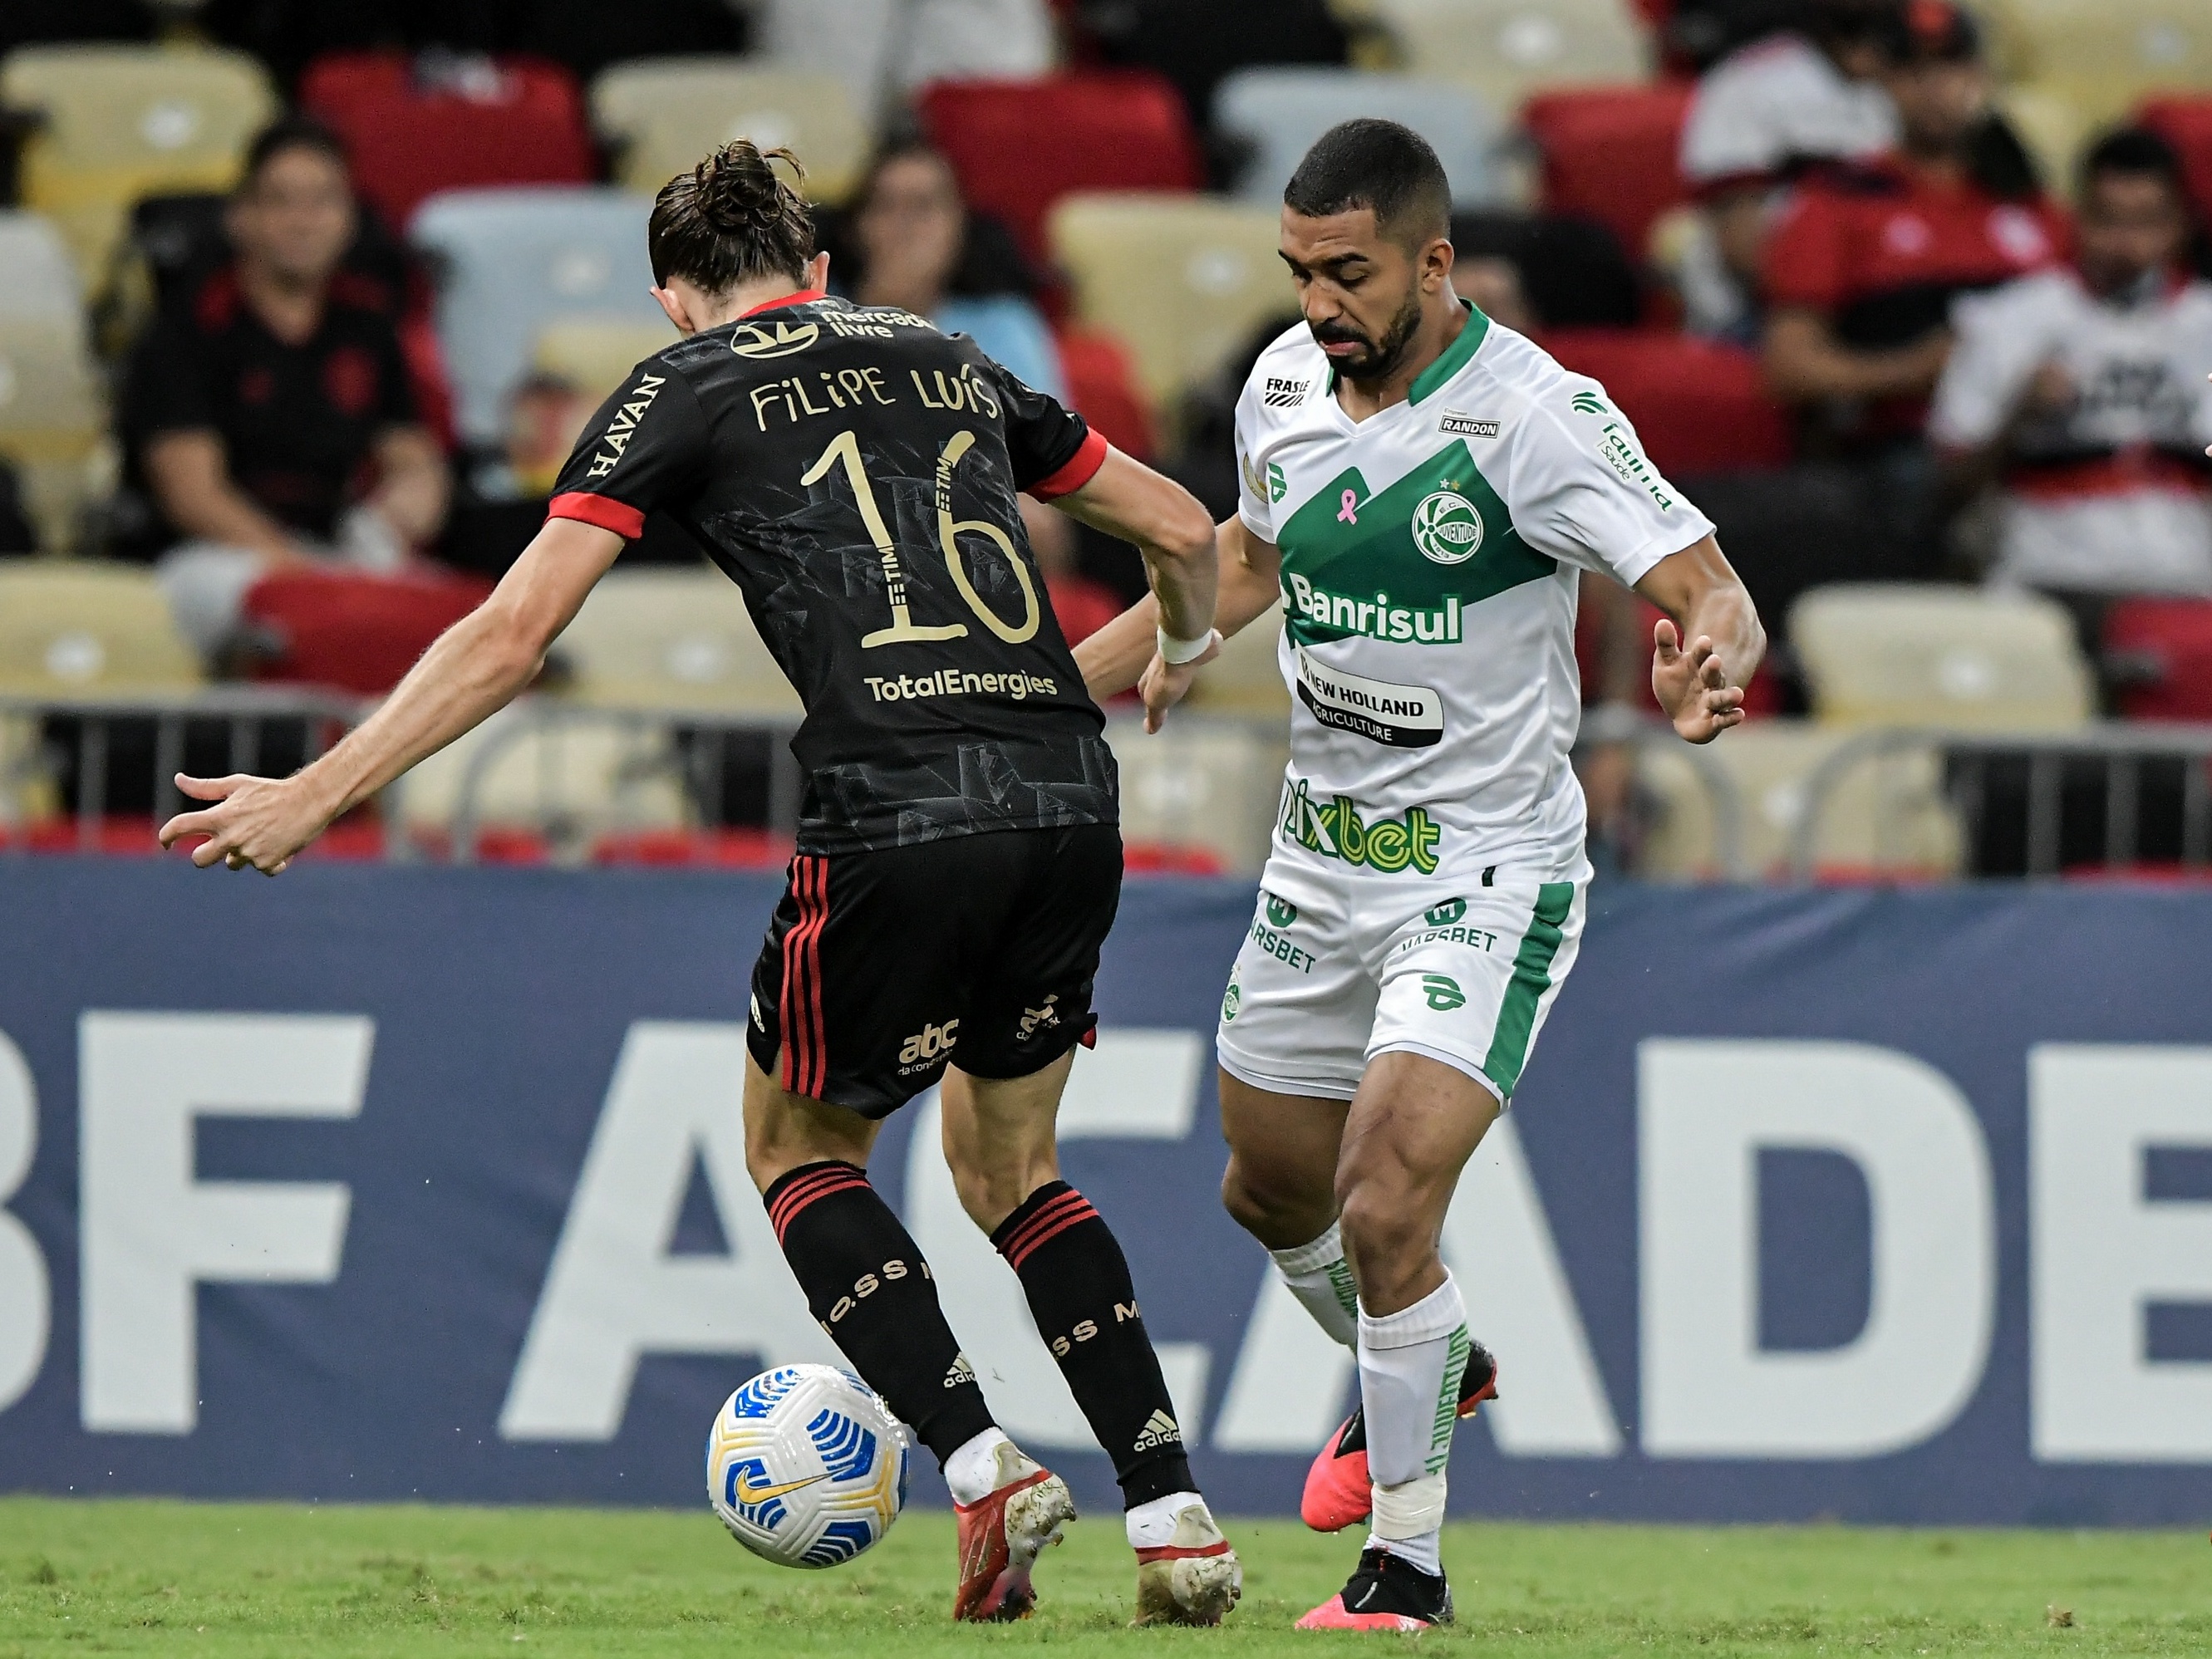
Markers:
353,631
1103,389
1699,406
722,849
2171,641
524,124
1609,154
2187,124
1020,146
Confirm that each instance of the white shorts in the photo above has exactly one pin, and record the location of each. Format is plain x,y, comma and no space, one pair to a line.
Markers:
1462,972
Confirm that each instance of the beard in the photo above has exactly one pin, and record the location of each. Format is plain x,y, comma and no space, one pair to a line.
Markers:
1377,359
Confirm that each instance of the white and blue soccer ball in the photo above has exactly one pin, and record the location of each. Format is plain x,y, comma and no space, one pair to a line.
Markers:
806,1467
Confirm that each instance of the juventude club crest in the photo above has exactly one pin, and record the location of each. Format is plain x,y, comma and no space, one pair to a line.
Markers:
1447,528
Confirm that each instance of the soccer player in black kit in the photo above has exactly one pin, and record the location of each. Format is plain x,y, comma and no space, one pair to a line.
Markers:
854,472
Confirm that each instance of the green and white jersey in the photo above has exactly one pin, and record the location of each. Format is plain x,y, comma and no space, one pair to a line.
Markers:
1430,559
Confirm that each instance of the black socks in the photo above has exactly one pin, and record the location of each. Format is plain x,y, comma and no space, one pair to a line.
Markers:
870,1288
1085,1306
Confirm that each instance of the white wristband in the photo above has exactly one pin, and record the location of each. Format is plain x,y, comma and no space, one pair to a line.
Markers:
1174,652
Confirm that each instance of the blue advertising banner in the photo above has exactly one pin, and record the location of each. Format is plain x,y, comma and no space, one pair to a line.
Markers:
390,1183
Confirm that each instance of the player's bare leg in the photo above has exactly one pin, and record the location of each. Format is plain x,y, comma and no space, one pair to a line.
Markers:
867,1284
1001,1142
1281,1187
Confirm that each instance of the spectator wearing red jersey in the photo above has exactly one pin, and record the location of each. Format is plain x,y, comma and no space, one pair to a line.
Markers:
2081,392
1864,264
273,424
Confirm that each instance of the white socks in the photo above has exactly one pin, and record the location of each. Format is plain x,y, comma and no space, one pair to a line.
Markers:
1152,1526
1410,1365
972,1472
1320,1278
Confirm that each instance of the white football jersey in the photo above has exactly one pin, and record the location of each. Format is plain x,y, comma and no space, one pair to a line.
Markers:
2107,494
1430,555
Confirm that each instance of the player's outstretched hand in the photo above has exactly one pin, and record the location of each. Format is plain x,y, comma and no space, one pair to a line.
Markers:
260,822
1163,685
1693,686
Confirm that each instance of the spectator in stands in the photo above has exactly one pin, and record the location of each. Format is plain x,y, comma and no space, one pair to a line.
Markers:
1864,262
2081,392
273,424
1760,117
884,49
918,249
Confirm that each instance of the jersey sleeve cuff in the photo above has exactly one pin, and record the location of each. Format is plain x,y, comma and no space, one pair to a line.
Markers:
1079,471
607,514
1265,532
1637,565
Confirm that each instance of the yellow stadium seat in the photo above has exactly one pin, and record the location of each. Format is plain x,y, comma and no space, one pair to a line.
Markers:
1182,279
120,122
50,412
595,355
666,113
574,779
2103,56
1507,49
1883,654
2052,125
1246,678
677,639
1887,816
71,630
1213,784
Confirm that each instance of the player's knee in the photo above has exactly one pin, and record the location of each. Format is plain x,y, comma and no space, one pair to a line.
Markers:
1272,1205
1382,1232
991,1189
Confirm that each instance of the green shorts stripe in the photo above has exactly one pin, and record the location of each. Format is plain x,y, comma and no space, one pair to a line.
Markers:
1532,977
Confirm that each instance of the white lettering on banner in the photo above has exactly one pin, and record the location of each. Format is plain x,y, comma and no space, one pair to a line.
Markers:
1704,1109
25,1311
1136,1085
614,1293
2101,1251
1291,1382
151,1234
1520,1302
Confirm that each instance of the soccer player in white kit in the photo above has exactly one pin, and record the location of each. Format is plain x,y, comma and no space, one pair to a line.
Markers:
1423,488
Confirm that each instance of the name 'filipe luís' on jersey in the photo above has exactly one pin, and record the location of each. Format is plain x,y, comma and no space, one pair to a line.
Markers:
855,472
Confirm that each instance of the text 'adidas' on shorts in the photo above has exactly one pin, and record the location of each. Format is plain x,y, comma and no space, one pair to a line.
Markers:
1358,968
881,968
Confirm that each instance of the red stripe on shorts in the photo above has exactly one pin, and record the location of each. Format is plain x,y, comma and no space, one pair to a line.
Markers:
805,1066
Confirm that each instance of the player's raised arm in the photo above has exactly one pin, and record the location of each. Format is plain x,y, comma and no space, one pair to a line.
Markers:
1124,652
1700,683
476,667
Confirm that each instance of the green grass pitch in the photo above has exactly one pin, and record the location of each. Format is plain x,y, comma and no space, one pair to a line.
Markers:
223,1580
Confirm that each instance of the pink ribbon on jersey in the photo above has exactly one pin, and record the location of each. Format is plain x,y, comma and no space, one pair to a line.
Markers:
1344,513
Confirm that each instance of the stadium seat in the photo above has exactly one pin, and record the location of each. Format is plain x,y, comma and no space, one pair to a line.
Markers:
512,121
51,414
514,261
1698,405
1507,49
1279,112
1610,154
675,640
663,114
75,628
2106,55
2052,125
2165,646
1247,678
565,784
1919,655
1886,818
1182,280
119,122
1102,387
2187,124
1020,146
348,630
595,356
1205,784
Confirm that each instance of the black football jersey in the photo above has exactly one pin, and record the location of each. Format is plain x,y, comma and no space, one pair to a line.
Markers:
854,472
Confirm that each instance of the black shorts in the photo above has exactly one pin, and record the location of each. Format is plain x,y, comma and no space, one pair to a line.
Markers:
882,968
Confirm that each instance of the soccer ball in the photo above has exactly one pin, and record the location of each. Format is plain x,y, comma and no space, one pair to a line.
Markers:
805,1465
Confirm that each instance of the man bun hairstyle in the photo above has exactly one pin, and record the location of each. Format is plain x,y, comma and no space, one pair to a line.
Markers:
731,219
1370,163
